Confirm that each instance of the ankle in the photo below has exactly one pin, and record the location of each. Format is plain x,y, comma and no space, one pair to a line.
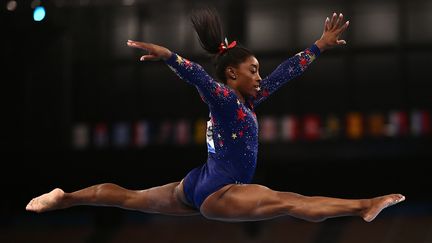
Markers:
365,205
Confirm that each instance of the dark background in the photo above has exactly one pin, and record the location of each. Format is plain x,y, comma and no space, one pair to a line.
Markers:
74,67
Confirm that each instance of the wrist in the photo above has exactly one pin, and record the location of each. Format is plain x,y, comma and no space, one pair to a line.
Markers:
171,59
166,55
321,45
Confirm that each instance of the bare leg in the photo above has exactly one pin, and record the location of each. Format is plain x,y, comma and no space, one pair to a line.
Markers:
256,202
167,199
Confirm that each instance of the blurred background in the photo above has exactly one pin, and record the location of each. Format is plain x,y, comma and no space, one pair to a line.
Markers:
80,109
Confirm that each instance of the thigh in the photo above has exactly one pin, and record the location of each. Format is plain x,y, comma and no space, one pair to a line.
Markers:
167,199
246,202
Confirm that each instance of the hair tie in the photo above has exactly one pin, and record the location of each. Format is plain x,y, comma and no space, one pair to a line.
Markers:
224,46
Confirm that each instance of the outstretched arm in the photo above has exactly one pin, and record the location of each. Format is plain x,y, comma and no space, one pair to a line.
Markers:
296,65
189,71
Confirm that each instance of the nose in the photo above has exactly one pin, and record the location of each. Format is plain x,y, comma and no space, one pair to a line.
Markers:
259,78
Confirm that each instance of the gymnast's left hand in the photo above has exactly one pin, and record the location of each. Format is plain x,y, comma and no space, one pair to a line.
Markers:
333,29
155,52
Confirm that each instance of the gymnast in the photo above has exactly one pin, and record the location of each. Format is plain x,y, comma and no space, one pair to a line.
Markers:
221,189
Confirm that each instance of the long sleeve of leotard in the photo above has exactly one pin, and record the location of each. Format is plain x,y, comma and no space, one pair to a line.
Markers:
286,71
210,90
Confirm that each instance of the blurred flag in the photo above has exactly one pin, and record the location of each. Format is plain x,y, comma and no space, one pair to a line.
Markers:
141,134
332,127
80,136
398,124
311,127
165,135
100,135
290,128
354,125
376,125
200,131
420,123
121,135
182,132
268,129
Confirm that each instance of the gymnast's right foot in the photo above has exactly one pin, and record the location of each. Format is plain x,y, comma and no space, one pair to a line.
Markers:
46,202
380,203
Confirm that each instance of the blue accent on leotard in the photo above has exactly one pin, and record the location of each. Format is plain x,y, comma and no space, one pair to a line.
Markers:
232,134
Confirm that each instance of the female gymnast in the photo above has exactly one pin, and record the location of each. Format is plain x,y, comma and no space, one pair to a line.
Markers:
220,189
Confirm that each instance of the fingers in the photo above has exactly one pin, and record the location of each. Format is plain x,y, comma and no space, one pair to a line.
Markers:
342,28
341,42
333,21
149,58
144,46
338,23
140,45
327,24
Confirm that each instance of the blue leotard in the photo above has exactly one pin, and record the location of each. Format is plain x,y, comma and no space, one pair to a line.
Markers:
232,130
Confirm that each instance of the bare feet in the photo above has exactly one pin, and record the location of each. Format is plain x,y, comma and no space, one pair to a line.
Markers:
46,202
377,204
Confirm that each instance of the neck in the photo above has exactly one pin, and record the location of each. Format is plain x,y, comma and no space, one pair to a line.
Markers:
239,95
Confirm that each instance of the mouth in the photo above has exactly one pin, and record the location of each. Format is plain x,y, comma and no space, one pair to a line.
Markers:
257,87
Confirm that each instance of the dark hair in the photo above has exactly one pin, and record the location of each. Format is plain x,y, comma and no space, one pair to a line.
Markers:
207,24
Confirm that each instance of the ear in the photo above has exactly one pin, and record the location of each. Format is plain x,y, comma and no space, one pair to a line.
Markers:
230,73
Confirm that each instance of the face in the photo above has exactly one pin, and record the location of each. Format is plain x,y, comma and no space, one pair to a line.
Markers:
247,78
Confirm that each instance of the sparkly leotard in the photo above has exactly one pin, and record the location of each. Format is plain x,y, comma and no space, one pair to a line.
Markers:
232,130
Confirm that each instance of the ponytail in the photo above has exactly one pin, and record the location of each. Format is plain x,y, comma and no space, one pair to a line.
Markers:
207,25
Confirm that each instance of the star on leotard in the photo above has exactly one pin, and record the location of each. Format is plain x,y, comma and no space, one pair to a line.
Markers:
290,69
187,63
225,92
240,114
303,61
311,58
218,90
241,133
234,136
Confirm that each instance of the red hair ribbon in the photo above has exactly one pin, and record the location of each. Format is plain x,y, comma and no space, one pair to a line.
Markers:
223,47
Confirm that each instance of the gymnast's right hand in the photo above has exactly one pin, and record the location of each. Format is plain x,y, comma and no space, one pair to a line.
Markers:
155,52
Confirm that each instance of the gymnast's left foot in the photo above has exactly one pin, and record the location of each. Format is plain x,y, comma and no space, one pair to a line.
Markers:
46,202
377,204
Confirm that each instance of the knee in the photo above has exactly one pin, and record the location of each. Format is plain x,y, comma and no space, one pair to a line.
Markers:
108,190
101,188
215,212
209,213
